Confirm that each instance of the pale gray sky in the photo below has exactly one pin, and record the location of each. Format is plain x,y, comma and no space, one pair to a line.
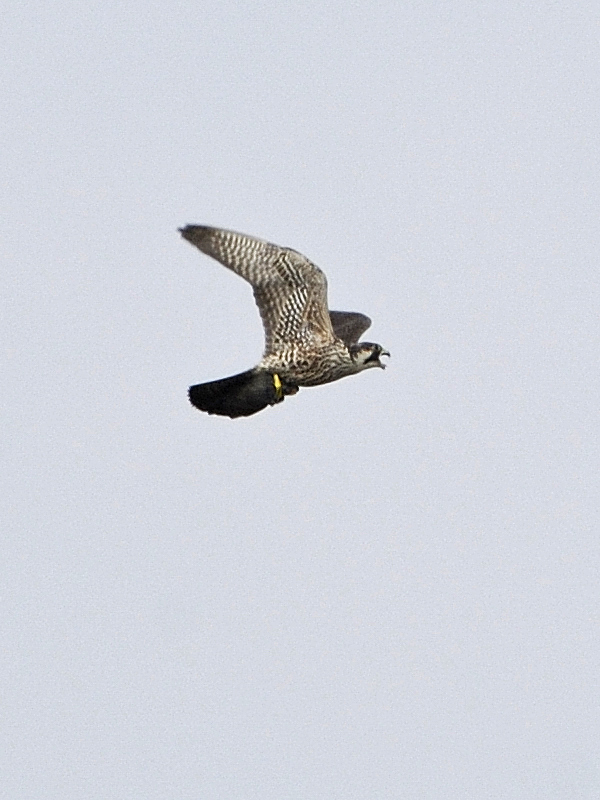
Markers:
382,589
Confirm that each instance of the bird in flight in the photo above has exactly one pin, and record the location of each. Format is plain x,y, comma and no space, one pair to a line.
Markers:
305,343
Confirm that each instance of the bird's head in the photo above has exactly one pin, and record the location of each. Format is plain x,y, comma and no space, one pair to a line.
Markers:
367,354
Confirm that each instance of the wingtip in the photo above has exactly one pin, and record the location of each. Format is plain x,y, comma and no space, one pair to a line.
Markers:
196,235
187,230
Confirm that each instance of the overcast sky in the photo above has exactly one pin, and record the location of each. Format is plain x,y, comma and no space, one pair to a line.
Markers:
381,589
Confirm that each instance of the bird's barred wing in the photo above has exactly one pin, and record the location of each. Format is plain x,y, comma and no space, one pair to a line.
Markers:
349,326
290,291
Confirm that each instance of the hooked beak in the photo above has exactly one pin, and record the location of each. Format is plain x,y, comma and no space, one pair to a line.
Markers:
384,353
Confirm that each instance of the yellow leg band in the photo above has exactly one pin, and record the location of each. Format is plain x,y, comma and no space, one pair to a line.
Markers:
277,385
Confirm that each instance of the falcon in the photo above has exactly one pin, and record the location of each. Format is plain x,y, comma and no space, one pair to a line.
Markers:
306,344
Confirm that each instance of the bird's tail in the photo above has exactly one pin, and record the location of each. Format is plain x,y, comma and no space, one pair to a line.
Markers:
238,396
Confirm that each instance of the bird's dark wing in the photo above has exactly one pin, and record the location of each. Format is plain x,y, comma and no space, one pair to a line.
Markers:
290,291
237,396
348,325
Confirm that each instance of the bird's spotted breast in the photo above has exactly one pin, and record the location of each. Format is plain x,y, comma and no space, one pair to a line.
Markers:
305,366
